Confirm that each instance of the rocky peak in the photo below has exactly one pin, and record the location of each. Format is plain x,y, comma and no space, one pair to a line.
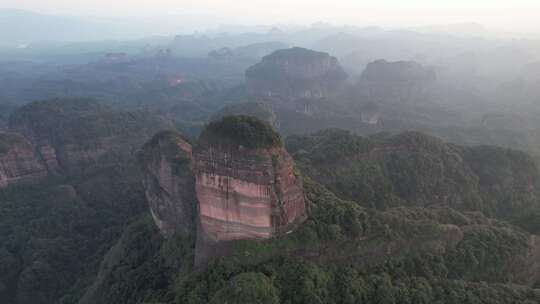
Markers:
246,183
295,73
239,174
169,183
400,81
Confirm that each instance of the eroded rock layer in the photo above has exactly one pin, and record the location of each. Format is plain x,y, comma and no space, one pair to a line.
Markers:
247,193
169,183
18,161
72,135
237,183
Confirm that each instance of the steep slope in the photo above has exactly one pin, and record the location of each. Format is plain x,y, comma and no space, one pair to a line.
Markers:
342,254
246,183
401,81
169,183
54,234
238,183
295,73
18,161
418,170
72,134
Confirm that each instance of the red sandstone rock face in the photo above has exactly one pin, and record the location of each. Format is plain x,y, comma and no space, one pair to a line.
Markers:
247,194
18,161
169,183
76,134
227,193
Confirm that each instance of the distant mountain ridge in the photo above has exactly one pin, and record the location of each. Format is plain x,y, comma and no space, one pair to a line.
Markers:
20,27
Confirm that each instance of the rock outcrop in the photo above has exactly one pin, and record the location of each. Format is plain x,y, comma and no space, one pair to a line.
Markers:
396,81
295,73
18,161
246,185
169,182
73,134
239,175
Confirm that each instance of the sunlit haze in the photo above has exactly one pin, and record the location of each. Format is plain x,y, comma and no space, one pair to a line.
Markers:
517,15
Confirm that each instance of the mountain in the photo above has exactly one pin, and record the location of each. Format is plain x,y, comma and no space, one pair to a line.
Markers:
381,218
238,177
69,186
413,169
73,134
21,28
295,73
19,162
342,253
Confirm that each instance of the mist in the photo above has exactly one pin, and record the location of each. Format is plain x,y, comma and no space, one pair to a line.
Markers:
128,19
276,152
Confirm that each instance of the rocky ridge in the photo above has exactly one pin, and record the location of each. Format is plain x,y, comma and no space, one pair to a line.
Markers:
295,73
396,81
73,134
169,182
244,189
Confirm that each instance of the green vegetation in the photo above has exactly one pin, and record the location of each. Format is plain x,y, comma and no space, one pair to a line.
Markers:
54,235
258,110
417,170
403,255
82,121
240,130
140,267
166,143
247,287
392,219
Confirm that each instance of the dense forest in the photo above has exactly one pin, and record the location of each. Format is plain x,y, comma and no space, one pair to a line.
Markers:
321,164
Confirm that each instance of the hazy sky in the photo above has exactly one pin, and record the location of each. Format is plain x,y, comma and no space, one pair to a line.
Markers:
509,14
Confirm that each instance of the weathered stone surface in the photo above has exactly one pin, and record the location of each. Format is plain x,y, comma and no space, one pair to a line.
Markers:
18,161
169,183
295,73
247,194
227,188
74,134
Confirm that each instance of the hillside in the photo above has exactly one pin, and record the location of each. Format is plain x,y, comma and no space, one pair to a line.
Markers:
74,133
413,169
342,254
413,241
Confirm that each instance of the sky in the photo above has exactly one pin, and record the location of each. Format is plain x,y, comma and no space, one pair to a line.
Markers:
499,14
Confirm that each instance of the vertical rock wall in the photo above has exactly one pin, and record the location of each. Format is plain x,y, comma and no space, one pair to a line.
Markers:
247,194
169,183
18,161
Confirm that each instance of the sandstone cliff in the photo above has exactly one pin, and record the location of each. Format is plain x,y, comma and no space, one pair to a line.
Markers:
240,177
18,161
295,73
73,134
169,183
247,194
246,185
